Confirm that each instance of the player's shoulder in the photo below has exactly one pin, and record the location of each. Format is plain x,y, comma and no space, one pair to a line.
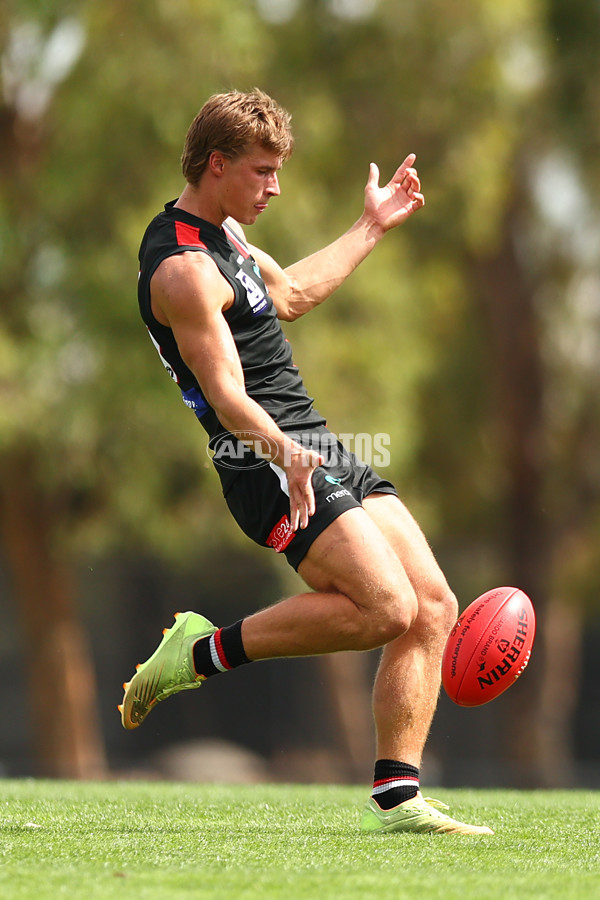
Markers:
191,276
188,264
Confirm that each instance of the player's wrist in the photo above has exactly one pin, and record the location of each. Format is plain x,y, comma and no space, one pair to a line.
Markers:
371,227
289,453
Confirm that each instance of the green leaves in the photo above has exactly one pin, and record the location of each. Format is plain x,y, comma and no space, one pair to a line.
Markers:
470,89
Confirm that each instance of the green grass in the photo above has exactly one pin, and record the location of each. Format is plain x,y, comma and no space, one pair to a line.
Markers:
155,841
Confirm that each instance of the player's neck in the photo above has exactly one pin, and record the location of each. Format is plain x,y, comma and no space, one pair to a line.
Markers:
195,201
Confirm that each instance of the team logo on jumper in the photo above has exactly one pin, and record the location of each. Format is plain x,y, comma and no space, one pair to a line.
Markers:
281,535
333,480
256,297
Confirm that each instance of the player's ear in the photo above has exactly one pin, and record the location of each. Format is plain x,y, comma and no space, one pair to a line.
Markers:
216,163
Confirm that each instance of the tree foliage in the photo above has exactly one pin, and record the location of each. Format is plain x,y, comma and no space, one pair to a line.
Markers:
498,101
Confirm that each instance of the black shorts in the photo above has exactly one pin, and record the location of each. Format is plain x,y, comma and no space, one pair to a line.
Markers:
259,502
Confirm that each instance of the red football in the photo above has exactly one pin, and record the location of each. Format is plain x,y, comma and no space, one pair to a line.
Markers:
489,646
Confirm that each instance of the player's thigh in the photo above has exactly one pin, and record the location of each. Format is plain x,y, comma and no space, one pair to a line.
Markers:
406,538
351,556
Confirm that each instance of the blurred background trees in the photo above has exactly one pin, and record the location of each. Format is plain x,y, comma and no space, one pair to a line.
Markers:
471,337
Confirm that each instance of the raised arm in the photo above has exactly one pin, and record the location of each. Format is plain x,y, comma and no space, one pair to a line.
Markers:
189,295
303,285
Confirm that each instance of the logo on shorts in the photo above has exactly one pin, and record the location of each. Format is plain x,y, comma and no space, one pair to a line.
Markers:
337,494
281,535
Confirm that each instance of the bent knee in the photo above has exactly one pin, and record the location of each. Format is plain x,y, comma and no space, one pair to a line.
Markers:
446,611
438,611
391,621
450,609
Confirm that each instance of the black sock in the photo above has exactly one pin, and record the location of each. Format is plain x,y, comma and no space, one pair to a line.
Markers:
221,651
394,783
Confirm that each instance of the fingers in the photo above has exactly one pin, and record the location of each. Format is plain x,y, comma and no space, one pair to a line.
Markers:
411,181
373,180
391,204
294,515
405,176
302,506
302,495
404,167
406,172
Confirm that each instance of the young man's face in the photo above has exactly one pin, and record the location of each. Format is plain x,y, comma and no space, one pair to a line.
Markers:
248,183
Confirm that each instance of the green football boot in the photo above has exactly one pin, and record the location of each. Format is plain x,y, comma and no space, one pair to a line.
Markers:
421,815
170,669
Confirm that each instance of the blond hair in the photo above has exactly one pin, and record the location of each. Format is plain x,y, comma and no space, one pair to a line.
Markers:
231,123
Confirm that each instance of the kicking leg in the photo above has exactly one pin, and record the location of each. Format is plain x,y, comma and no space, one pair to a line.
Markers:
361,599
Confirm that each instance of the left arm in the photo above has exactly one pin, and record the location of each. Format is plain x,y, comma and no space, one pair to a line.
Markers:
303,285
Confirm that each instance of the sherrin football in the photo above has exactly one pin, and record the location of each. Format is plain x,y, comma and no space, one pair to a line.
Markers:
489,646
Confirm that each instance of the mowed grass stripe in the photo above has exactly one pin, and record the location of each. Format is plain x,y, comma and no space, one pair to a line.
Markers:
153,841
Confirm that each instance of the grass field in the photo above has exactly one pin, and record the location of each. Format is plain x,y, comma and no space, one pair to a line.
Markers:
152,841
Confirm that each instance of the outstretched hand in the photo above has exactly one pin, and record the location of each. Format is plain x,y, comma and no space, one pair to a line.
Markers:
392,204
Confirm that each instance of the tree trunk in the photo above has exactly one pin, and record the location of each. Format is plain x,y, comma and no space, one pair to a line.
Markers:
67,740
537,717
348,682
